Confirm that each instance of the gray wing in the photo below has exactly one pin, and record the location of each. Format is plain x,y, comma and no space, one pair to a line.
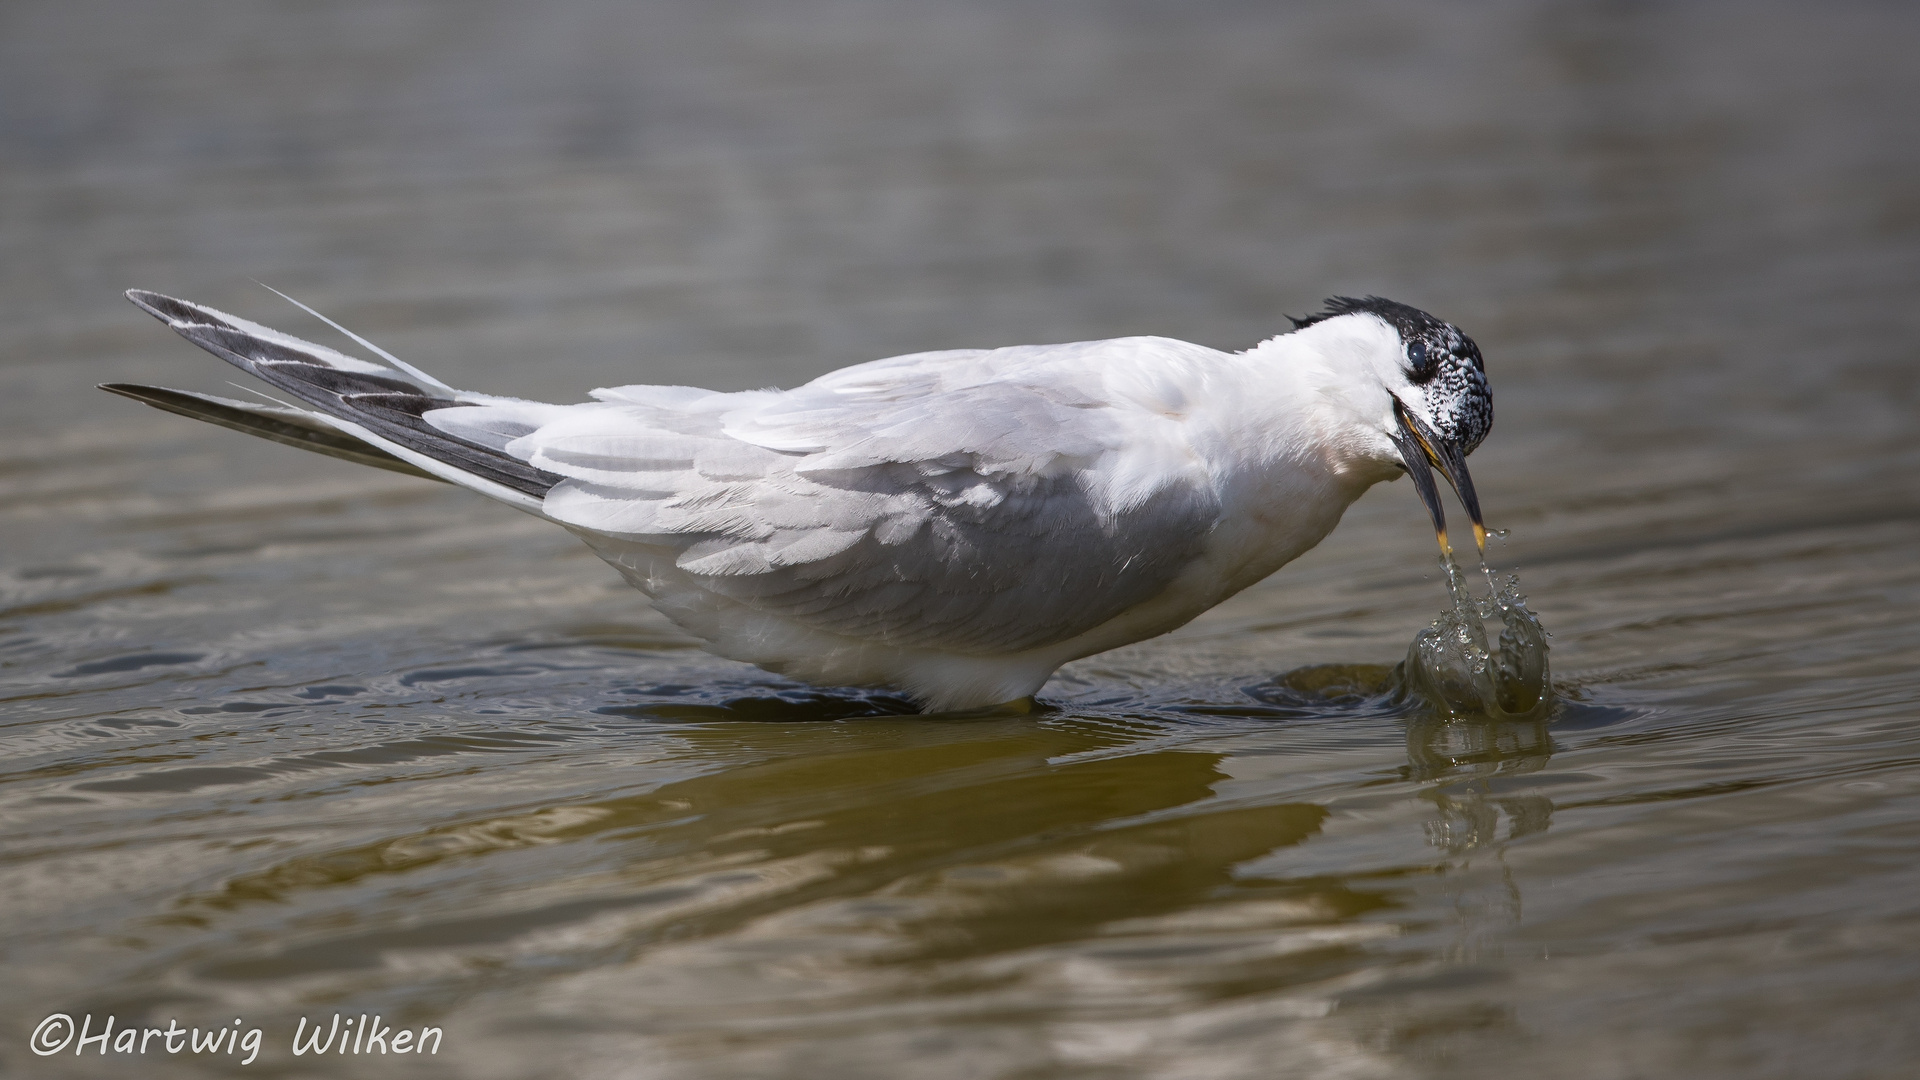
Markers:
1032,564
921,502
966,501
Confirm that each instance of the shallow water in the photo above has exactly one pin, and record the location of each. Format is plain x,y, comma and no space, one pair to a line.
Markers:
284,738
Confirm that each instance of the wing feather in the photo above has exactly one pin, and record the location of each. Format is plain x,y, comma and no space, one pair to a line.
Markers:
977,501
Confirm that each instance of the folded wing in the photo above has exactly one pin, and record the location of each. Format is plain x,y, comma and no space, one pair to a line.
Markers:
977,502
969,502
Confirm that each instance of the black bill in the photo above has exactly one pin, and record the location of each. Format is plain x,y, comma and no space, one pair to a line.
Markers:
1420,446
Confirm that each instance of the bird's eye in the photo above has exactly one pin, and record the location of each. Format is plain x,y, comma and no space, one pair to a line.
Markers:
1417,354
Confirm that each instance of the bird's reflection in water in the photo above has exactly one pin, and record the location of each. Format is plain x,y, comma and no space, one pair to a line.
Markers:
935,839
1024,851
1469,766
990,835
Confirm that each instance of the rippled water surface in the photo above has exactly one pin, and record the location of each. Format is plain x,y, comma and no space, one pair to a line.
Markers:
284,738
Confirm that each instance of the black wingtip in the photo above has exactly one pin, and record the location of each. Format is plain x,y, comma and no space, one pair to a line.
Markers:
287,426
174,312
157,396
389,406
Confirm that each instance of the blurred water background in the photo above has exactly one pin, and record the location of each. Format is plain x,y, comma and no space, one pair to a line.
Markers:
282,737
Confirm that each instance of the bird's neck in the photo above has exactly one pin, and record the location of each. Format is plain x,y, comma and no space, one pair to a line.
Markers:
1309,404
1289,452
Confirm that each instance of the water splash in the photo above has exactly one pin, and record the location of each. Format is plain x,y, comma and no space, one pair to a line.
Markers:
1452,666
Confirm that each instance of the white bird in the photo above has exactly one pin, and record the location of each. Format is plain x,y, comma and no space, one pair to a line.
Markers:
951,525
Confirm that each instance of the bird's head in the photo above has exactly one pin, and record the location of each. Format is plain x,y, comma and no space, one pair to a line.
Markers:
1438,405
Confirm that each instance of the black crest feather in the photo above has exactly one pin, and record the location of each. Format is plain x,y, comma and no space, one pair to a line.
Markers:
1439,357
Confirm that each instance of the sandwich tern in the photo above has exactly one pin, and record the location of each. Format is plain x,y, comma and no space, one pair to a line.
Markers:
951,525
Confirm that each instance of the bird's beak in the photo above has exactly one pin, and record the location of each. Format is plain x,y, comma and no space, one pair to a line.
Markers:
1420,445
